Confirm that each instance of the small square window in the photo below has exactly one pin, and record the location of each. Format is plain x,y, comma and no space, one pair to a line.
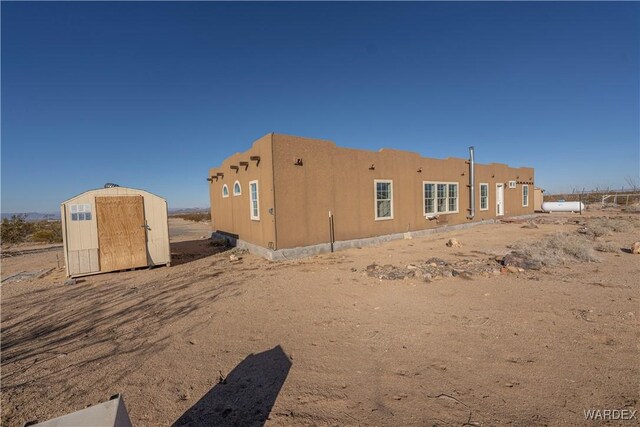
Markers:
80,212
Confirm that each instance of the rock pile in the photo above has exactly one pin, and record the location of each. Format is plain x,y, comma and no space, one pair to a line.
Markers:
433,269
436,268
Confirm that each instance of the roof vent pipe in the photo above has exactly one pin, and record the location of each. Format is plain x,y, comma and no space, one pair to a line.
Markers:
472,187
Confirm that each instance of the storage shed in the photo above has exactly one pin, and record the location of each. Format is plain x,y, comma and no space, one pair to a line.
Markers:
114,228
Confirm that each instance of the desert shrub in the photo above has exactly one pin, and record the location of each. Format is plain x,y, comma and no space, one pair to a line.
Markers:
599,227
558,249
16,229
619,225
606,247
195,216
43,236
598,230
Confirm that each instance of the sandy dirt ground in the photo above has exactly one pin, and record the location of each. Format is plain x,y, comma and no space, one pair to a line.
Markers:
317,341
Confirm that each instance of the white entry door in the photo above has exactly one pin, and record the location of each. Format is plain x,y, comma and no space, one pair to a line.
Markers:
499,199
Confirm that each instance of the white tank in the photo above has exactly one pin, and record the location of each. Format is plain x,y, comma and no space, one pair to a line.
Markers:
562,206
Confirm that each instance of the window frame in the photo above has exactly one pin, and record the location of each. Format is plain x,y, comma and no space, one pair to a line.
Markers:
225,191
525,186
82,212
239,193
257,201
485,184
375,199
435,198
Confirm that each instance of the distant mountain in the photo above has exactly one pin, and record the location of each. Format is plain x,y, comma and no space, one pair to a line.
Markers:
33,216
39,216
187,210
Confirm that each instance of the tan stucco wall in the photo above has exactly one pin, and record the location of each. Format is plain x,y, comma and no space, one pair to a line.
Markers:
232,214
340,180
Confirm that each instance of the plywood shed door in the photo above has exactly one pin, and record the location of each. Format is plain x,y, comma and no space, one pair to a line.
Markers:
122,236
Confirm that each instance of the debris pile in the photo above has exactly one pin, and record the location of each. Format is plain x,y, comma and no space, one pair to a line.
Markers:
436,269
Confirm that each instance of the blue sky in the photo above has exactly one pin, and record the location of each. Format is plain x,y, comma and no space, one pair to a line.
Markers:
152,94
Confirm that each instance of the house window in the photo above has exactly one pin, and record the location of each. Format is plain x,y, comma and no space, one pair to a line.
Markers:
225,191
237,190
525,195
484,197
440,197
453,197
81,212
384,199
254,200
512,184
429,198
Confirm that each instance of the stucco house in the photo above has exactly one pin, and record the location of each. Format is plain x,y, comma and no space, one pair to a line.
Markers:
290,196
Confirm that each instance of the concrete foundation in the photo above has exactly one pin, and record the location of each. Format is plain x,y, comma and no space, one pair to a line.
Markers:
306,251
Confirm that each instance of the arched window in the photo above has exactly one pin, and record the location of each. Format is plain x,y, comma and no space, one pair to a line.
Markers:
237,190
225,191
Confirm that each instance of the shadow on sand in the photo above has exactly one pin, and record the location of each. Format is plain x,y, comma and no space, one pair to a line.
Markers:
192,250
245,397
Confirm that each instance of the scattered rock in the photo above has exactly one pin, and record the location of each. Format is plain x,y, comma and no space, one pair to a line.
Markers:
466,275
530,225
70,282
436,269
234,258
635,248
387,272
436,262
512,269
453,243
